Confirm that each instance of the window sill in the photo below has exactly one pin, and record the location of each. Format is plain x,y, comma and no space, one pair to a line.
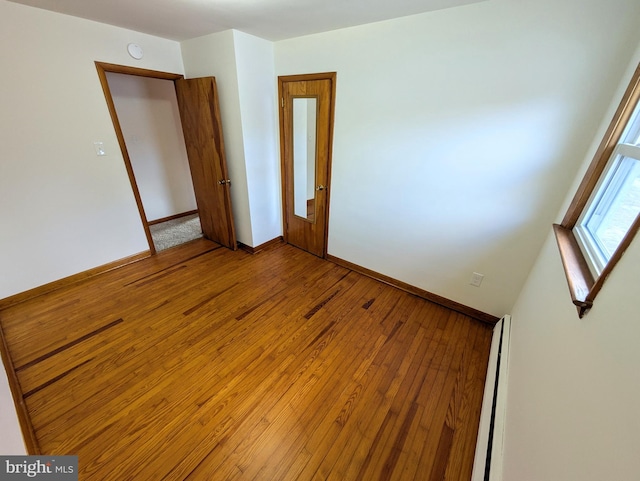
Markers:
579,277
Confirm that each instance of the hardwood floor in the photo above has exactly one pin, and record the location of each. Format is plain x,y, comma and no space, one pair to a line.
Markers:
203,363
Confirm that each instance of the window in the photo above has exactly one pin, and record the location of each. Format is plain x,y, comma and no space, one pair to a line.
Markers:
615,203
604,214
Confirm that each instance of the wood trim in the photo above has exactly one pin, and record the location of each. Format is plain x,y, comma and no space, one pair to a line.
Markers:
579,277
582,285
308,76
140,72
261,247
172,217
28,433
332,76
283,186
332,111
612,136
429,296
66,281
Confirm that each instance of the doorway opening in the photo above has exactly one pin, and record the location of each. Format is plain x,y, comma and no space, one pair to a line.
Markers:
147,110
170,134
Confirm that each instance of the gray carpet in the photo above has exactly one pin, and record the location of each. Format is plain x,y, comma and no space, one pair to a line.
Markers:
175,232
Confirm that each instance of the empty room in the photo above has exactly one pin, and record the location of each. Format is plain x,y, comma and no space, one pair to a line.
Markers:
410,252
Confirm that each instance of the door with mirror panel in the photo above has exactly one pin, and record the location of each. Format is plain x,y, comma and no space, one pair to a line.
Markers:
306,130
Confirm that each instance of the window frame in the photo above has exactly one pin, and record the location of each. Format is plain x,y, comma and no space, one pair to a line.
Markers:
584,286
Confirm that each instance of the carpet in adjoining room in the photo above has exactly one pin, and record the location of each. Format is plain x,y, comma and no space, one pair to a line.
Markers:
175,232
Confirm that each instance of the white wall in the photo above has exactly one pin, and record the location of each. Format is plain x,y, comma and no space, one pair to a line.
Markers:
214,55
148,113
456,134
257,85
63,209
574,388
244,70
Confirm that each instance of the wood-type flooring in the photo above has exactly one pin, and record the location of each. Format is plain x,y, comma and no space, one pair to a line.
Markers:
201,363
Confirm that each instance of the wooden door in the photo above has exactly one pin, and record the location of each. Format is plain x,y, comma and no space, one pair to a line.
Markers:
200,115
306,131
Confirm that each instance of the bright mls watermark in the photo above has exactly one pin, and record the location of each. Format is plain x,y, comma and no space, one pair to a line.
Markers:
51,468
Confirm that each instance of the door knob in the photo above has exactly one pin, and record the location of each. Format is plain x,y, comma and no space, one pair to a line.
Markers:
321,187
224,181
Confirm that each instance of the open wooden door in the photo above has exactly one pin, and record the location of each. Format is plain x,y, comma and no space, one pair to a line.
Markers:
202,128
306,131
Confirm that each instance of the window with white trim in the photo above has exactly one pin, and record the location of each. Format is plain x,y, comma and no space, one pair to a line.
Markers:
604,215
615,203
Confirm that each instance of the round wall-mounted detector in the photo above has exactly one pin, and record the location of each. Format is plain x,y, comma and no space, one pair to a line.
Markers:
135,51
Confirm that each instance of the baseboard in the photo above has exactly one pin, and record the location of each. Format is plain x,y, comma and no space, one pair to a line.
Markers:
489,455
261,247
172,217
28,433
60,283
429,296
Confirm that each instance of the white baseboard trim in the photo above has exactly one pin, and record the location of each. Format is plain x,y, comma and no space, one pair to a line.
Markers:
487,465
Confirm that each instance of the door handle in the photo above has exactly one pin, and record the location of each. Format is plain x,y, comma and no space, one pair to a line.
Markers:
224,181
321,187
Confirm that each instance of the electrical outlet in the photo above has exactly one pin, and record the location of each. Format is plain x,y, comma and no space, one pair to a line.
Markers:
476,279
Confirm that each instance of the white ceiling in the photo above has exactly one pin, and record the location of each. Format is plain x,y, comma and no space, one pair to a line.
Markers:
269,19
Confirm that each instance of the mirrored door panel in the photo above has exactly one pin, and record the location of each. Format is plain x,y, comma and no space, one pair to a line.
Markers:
304,157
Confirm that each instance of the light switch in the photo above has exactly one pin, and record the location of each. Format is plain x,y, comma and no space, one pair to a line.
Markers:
476,279
99,146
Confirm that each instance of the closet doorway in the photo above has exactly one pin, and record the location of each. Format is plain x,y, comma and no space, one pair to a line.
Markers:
170,135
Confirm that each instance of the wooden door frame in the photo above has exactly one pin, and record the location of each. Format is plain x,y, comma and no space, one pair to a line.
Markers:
331,76
103,68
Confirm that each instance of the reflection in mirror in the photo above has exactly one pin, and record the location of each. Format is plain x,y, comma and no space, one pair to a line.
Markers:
304,157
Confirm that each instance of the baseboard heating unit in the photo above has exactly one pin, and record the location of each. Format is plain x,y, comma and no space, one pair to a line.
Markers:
487,465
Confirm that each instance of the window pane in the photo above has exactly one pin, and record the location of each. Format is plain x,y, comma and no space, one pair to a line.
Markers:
617,208
631,134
